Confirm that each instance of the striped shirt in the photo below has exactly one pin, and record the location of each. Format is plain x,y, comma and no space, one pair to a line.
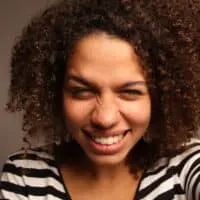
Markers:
37,177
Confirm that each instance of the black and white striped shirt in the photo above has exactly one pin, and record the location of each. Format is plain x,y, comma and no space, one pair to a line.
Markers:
36,177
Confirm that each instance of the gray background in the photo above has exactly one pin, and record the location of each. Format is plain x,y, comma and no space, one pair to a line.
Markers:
14,14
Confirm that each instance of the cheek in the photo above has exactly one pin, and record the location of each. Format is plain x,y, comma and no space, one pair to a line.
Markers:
75,112
138,112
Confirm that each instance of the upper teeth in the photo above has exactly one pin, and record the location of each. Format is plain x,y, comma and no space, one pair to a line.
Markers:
108,140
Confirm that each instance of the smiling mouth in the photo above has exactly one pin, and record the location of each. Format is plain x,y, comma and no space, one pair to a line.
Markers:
107,140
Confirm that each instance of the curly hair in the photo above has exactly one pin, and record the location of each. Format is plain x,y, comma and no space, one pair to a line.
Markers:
165,36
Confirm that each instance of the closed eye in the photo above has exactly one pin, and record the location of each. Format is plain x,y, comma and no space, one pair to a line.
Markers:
81,92
131,94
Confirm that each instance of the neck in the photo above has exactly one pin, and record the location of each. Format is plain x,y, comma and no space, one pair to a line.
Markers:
103,173
107,172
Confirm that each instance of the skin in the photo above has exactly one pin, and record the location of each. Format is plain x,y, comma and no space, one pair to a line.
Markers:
105,94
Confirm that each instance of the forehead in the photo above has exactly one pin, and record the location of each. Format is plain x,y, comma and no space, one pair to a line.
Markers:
109,47
104,55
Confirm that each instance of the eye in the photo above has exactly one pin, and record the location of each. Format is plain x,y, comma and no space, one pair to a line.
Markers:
81,92
131,93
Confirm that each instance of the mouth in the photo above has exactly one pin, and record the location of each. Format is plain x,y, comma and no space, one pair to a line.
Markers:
107,140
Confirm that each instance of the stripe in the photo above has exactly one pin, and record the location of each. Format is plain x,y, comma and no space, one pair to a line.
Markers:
194,188
31,156
14,188
186,160
30,164
165,195
32,181
41,173
11,196
34,191
155,172
195,165
153,185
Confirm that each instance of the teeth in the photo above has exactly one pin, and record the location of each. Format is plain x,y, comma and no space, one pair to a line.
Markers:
108,140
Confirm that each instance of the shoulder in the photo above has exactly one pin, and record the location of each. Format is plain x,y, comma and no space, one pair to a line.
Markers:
178,175
188,158
30,159
191,153
181,162
187,167
32,172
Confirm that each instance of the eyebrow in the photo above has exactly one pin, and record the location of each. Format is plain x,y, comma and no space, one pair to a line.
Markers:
79,80
89,84
133,83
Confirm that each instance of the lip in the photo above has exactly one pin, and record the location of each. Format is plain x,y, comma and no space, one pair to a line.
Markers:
103,149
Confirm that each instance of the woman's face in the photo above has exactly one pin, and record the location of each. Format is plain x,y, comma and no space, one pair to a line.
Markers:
106,101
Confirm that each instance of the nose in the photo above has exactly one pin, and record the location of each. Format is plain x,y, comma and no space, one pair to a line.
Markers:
106,113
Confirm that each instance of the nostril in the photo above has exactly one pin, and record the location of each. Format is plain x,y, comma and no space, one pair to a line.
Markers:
100,122
97,126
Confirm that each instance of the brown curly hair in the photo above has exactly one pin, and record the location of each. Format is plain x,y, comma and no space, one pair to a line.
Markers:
164,34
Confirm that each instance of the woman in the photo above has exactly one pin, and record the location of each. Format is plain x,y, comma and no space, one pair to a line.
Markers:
114,86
